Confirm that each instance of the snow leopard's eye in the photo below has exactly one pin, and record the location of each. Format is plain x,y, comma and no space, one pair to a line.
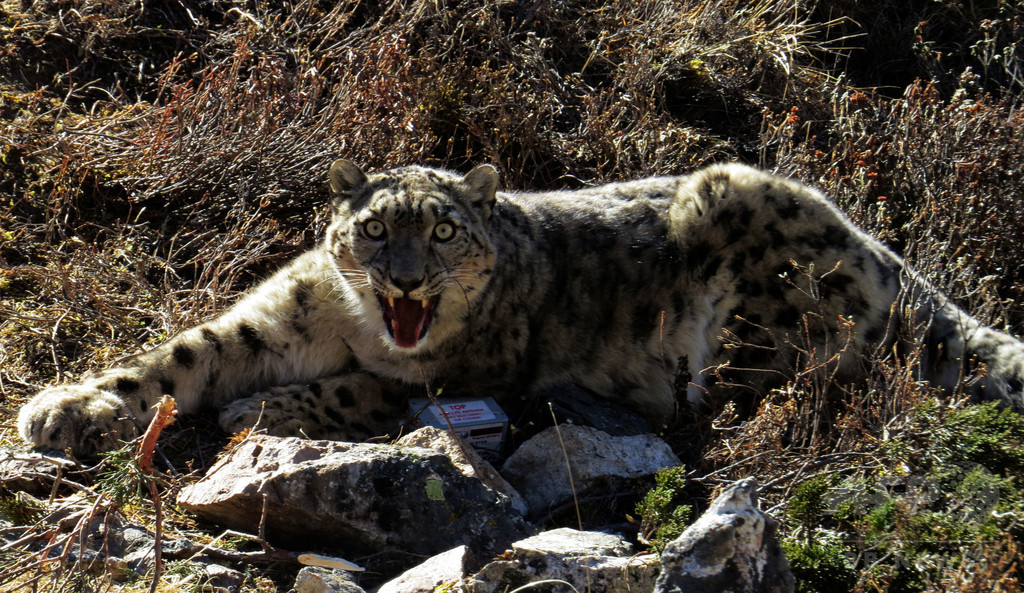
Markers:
373,228
444,231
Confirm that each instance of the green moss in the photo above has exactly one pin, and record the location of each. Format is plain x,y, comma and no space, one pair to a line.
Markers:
949,482
880,519
435,490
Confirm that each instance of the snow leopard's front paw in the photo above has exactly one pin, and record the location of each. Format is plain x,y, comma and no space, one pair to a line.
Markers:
85,419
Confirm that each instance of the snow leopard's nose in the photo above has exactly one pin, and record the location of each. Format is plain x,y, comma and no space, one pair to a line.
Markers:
406,284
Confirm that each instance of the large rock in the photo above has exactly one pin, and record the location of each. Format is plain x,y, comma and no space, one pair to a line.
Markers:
537,468
465,458
587,560
358,497
732,547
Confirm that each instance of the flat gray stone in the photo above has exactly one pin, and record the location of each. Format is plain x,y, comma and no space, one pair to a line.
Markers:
316,579
589,561
570,542
437,573
537,469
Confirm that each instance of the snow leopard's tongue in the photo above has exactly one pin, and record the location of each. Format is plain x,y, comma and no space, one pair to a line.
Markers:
407,319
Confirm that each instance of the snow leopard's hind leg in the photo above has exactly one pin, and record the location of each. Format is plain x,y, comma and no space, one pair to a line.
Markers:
348,407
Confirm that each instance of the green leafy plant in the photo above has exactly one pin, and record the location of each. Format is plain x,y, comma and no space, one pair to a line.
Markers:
820,566
122,478
663,517
807,504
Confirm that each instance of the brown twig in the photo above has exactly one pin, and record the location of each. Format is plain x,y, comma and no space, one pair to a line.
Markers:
165,412
164,416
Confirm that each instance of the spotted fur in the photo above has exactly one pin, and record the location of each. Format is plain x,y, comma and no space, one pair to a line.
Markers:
428,279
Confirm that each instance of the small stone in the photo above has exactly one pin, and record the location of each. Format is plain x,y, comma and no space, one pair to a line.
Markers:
537,468
137,544
221,579
32,472
110,544
443,570
315,579
589,561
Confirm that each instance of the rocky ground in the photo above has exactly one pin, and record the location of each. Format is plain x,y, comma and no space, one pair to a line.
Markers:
159,157
427,495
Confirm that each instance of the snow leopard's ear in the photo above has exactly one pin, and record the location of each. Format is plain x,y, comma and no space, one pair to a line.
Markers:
346,178
480,186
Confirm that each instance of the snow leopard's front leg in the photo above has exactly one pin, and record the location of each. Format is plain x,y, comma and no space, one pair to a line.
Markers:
285,331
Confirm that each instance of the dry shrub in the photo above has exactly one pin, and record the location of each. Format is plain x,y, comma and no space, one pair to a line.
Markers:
814,424
274,94
251,130
935,178
990,568
618,90
898,43
84,51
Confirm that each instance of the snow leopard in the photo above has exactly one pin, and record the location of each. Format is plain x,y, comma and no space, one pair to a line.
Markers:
427,280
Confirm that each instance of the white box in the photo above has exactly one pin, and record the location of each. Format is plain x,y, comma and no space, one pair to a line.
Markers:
479,421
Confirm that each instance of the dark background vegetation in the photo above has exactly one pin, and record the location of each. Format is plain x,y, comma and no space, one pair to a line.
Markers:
158,157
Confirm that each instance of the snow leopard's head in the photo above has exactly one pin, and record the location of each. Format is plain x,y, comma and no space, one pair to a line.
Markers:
411,247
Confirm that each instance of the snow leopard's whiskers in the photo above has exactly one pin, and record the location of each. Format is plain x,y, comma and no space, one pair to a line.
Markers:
355,277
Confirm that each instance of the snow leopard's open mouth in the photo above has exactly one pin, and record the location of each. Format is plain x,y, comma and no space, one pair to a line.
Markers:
407,319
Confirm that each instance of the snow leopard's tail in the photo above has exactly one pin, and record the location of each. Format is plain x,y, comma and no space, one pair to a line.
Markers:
959,348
